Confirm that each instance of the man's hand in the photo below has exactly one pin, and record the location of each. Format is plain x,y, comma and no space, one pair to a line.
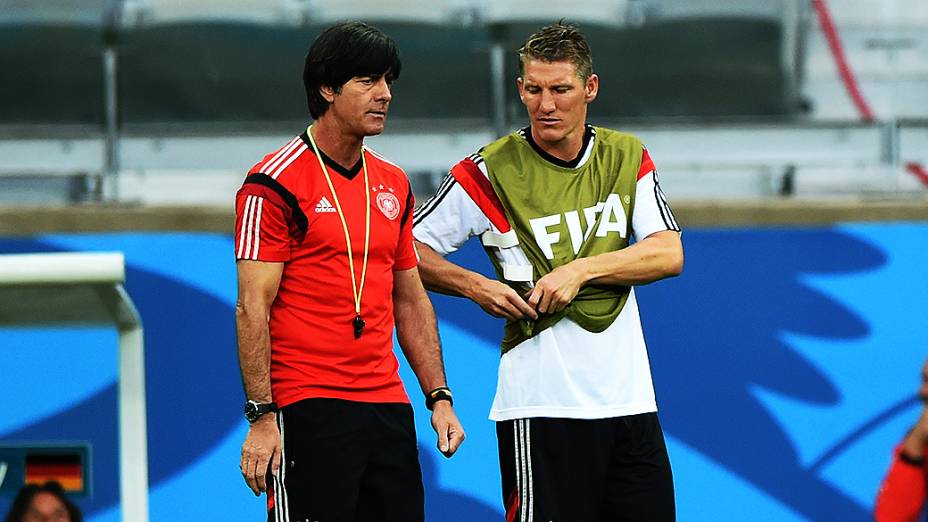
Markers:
448,427
557,289
260,450
500,300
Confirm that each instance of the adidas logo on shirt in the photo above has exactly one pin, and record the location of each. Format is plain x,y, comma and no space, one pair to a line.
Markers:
324,205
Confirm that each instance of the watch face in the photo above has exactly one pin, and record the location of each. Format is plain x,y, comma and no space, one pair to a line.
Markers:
254,410
251,411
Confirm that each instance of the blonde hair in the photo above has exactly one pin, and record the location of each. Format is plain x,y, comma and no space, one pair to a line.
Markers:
556,43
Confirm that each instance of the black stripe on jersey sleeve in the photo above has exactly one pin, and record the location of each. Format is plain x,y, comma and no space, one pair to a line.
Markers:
430,205
410,201
264,180
673,219
660,191
663,207
660,207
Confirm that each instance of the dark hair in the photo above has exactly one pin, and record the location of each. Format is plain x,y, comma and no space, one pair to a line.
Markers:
343,52
24,499
558,42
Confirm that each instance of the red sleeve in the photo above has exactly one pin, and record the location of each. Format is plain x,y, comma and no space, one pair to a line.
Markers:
902,495
647,165
262,228
468,174
406,256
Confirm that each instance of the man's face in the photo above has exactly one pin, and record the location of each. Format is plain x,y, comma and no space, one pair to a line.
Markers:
46,507
360,108
556,99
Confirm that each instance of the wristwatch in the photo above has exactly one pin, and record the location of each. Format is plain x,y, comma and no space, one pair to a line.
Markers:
254,410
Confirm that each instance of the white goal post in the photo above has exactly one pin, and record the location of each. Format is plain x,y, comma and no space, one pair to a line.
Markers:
84,289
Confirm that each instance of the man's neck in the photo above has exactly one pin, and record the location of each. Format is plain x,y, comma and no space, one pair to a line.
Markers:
565,150
342,147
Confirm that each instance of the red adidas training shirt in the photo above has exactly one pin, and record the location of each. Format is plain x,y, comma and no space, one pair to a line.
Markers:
286,213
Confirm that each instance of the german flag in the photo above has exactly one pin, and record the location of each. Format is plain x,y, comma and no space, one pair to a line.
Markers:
66,469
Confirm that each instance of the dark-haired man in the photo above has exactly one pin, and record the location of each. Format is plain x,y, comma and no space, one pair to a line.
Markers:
555,205
326,267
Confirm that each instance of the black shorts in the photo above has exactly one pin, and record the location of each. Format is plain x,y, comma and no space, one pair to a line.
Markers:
573,470
346,461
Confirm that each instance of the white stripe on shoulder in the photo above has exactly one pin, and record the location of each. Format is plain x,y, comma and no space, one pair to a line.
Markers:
241,233
271,165
283,167
283,150
382,158
254,254
250,229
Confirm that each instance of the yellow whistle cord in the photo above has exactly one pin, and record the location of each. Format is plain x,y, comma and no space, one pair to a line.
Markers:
356,288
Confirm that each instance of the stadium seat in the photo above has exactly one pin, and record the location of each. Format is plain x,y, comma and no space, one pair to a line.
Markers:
689,9
600,12
160,12
214,62
417,11
706,67
181,64
51,57
446,72
212,72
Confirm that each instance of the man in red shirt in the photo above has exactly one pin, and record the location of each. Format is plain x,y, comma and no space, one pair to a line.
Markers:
904,490
326,267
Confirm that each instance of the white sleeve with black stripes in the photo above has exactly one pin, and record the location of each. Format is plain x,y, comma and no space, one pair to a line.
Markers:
652,212
449,218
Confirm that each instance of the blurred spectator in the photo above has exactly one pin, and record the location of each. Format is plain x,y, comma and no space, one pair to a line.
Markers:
45,503
902,495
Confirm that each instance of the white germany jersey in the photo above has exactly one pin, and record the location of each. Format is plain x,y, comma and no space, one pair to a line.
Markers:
564,371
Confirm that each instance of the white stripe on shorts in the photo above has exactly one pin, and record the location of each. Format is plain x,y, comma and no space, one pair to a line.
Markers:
528,454
281,510
518,455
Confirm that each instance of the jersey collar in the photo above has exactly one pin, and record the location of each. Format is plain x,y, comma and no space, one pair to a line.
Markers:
332,164
588,133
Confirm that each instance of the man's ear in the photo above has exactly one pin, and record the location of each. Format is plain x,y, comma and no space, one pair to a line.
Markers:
328,93
592,87
519,85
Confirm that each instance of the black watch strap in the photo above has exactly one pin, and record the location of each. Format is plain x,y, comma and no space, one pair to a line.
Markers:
442,393
254,409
